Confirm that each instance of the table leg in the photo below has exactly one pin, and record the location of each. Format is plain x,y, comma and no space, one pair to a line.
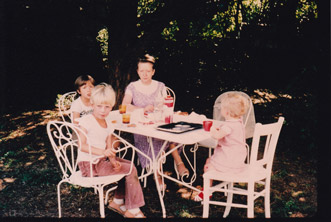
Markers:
156,165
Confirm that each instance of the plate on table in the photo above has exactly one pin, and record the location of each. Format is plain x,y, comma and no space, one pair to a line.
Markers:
179,127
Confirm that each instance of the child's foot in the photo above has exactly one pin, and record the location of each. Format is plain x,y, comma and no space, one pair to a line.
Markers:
116,207
199,197
128,214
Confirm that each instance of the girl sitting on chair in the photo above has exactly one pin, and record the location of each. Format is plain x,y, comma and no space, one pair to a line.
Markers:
142,94
82,106
128,196
230,152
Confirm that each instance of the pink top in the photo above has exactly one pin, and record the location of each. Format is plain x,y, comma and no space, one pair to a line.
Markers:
230,153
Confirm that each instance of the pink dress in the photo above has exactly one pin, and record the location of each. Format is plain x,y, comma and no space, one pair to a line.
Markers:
230,153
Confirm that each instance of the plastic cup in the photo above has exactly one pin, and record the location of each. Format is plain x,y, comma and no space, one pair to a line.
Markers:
168,119
122,109
207,125
169,101
126,118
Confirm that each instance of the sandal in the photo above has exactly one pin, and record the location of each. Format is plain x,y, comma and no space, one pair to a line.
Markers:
128,214
182,170
115,207
199,197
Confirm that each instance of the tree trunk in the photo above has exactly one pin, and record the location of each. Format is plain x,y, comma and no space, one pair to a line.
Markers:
122,52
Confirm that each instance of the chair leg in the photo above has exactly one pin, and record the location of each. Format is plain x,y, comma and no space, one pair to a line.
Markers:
228,200
267,201
59,199
250,200
206,186
101,202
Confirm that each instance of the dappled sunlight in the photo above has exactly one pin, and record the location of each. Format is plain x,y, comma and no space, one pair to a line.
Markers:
6,180
187,193
264,96
27,122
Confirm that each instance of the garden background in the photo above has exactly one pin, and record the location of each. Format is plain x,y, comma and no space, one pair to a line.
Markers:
277,51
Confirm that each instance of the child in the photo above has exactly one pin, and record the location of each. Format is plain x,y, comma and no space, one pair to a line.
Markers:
82,106
128,196
142,94
230,152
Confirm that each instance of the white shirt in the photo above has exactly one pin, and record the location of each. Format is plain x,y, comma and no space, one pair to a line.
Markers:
79,107
96,134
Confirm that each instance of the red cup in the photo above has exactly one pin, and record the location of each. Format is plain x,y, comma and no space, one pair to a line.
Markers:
169,101
207,125
168,119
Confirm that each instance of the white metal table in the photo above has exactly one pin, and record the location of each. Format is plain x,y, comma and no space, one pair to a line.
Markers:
182,139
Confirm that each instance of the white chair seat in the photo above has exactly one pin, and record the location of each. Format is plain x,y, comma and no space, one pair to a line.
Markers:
78,179
254,173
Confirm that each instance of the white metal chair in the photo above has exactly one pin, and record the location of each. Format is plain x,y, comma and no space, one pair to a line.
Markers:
248,119
65,140
258,171
171,93
64,104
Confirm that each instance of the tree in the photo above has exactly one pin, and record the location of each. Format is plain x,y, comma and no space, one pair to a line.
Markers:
123,49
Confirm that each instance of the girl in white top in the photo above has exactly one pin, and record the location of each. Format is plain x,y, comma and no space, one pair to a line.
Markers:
128,196
82,106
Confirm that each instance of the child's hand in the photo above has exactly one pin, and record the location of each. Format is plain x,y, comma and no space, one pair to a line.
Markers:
109,153
116,164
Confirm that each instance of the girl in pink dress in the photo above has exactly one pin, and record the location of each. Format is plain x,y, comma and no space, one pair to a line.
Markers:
230,153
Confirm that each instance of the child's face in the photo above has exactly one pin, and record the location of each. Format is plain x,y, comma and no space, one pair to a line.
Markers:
145,72
85,90
102,110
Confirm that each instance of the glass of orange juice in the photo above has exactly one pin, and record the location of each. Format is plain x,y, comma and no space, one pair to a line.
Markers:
122,108
126,118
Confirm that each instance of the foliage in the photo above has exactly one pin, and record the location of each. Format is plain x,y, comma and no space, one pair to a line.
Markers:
103,39
228,18
168,33
306,11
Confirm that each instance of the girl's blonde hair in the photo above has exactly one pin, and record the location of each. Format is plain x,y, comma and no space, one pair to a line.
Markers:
236,104
103,94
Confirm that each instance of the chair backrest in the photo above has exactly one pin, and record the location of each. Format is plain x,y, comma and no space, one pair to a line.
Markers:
65,142
171,93
248,118
65,103
264,143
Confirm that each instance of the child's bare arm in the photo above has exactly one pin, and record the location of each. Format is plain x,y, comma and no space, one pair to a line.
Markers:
217,132
85,147
111,146
75,115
